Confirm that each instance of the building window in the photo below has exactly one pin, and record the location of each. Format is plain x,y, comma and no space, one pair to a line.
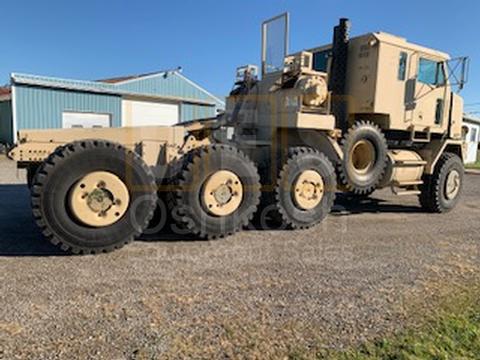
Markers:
402,66
72,119
320,60
431,72
473,134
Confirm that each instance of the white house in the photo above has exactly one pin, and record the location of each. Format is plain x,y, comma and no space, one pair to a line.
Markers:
472,137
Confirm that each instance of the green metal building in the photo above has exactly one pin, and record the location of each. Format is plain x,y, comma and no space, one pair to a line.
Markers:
160,98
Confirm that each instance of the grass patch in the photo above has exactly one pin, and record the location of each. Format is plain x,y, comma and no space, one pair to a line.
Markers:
451,337
474,166
452,333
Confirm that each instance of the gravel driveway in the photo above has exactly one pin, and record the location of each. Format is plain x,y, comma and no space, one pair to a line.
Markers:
257,292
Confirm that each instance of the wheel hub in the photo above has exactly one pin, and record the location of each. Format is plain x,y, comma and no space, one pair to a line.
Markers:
99,199
452,185
308,190
222,193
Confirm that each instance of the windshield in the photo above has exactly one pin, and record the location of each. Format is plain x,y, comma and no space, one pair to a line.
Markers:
274,43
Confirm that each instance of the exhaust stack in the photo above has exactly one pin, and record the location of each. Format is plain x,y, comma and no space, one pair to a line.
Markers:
338,73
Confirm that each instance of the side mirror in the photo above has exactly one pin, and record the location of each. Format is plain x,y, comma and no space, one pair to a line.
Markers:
410,86
458,71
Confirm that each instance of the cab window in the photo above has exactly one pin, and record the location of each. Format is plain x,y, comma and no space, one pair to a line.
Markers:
431,72
320,60
402,66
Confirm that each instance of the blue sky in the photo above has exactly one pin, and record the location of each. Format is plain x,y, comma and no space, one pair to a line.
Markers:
93,39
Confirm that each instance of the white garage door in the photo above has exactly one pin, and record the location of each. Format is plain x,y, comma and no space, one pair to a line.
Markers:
144,113
85,120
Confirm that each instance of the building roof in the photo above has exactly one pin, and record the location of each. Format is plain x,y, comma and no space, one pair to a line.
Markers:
117,79
121,79
144,85
5,90
5,93
470,118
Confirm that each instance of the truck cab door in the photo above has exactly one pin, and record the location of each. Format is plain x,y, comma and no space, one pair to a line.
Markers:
431,95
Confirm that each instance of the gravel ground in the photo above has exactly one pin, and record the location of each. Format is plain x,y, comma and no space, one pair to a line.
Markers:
350,279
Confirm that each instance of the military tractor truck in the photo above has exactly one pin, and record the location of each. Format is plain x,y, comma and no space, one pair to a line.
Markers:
356,115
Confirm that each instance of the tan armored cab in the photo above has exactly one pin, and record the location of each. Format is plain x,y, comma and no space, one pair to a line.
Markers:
403,86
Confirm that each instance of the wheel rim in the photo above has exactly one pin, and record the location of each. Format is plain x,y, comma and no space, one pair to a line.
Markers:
308,190
222,193
362,157
99,199
452,185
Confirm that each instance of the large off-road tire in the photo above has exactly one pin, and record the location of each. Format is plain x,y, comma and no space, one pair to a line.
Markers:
31,172
305,188
93,196
365,158
217,191
441,191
